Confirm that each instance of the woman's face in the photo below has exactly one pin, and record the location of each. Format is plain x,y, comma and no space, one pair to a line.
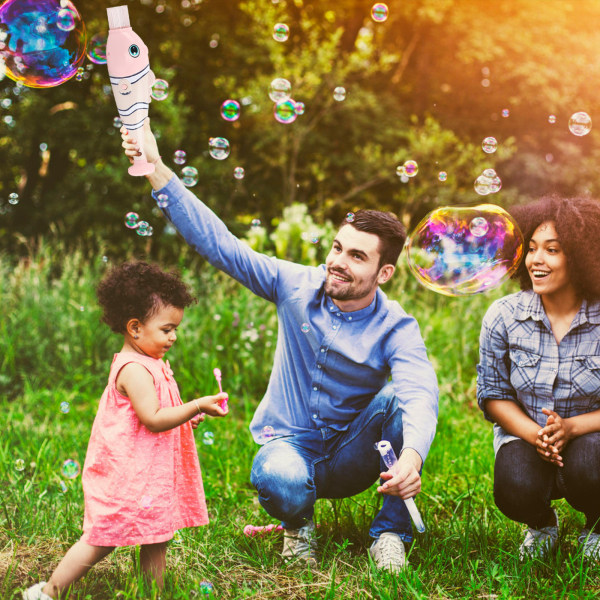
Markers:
546,262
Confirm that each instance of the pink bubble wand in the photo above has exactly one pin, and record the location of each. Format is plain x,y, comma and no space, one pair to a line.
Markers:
217,374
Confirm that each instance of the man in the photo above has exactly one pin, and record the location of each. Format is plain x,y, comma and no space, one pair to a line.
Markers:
328,400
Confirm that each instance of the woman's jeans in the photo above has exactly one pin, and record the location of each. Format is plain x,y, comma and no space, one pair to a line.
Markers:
291,472
524,484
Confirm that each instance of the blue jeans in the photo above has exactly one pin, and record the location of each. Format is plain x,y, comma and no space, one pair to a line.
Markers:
291,472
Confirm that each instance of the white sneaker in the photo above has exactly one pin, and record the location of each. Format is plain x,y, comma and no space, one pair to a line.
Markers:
539,542
35,592
591,544
388,552
300,545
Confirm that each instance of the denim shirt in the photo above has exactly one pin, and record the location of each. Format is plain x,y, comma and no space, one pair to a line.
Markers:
519,360
328,363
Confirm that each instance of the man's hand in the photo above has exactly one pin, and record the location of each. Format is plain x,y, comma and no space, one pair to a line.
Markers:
403,478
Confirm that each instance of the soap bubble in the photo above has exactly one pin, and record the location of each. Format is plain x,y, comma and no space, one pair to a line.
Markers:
305,328
96,49
189,176
552,119
63,487
489,145
339,94
13,198
230,110
411,168
218,148
281,89
580,123
131,220
206,588
42,42
379,12
19,465
285,111
146,501
442,175
505,112
400,170
300,108
144,229
70,468
162,200
267,432
179,157
65,407
482,185
350,217
117,123
208,439
160,89
459,251
239,173
281,32
255,223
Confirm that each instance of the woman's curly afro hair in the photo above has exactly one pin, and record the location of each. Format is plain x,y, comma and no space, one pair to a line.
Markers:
136,290
577,224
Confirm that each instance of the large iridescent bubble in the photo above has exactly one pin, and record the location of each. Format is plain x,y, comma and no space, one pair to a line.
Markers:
42,42
459,251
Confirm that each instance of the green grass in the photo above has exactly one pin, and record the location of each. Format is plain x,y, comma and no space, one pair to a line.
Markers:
54,349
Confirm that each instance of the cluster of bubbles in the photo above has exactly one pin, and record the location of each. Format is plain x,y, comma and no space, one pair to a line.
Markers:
458,251
208,438
43,41
580,123
189,176
143,228
489,145
379,12
488,183
281,32
70,468
218,148
409,169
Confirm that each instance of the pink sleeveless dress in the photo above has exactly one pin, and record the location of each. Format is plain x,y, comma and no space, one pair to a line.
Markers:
139,487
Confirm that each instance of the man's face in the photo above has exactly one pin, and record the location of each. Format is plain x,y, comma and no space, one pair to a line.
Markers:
353,271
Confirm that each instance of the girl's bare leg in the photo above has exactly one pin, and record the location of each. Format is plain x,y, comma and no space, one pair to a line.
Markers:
80,558
154,559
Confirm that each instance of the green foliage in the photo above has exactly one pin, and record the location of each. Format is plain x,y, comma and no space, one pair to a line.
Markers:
54,352
428,84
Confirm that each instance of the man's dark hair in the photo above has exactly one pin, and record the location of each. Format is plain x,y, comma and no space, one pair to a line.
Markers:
136,290
577,224
386,226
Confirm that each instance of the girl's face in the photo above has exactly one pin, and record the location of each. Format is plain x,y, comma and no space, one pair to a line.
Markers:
546,262
158,333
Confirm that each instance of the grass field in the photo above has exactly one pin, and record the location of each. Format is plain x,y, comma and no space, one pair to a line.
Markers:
55,350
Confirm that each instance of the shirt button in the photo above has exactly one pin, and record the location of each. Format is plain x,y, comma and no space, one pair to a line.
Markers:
349,318
335,326
314,417
339,314
318,366
322,349
315,388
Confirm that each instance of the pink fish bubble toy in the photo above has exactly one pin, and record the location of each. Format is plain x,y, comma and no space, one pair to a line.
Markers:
217,374
256,530
131,79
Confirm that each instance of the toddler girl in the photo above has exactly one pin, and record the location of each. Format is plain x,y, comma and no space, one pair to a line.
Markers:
141,478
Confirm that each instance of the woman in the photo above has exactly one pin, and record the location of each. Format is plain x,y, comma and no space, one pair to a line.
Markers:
538,379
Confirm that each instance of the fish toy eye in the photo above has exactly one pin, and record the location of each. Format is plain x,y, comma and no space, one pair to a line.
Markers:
134,50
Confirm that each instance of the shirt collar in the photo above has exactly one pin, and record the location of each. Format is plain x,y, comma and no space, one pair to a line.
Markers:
530,307
355,315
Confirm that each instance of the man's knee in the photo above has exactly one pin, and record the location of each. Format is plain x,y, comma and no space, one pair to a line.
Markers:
284,483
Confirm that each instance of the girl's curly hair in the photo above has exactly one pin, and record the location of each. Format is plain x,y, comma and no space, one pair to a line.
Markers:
577,224
136,290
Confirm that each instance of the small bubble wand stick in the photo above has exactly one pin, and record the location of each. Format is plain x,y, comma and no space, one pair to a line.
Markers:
389,458
254,530
217,374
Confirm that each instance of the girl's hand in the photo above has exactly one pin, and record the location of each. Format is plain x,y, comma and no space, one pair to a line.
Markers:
195,420
553,438
211,405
